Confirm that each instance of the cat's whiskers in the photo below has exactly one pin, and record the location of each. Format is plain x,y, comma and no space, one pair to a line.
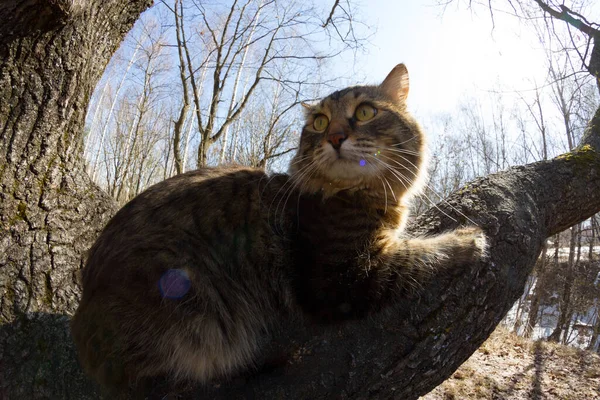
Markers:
416,176
289,185
292,184
406,141
384,194
422,194
404,151
301,190
300,159
297,161
298,178
383,179
390,186
401,178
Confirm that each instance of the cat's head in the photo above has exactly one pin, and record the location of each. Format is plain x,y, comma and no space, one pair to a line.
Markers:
361,137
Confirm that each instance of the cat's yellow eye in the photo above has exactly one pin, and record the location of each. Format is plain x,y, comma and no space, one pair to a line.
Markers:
365,112
321,123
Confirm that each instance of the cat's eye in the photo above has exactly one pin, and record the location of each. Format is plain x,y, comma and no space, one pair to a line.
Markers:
365,112
321,122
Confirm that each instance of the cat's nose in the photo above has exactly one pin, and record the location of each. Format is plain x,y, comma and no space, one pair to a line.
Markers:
336,139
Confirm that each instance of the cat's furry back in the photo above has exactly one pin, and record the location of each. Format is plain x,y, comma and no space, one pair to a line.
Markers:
189,279
213,226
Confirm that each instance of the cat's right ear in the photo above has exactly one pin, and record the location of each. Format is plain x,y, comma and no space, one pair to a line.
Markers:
396,84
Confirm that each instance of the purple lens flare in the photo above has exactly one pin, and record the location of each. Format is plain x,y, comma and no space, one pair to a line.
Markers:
174,284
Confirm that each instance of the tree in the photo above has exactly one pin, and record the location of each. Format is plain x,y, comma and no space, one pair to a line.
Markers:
140,119
251,41
52,56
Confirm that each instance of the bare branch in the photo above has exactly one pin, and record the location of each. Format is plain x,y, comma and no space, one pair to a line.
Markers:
330,18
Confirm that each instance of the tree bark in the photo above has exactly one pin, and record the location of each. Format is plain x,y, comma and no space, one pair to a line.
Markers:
52,54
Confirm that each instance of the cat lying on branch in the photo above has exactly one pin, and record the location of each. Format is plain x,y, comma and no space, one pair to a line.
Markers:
189,279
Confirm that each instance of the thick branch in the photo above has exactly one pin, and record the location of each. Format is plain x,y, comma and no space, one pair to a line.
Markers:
567,15
22,17
591,136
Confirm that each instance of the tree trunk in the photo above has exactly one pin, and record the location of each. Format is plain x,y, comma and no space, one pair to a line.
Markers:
592,345
564,316
52,54
178,125
520,306
534,307
596,318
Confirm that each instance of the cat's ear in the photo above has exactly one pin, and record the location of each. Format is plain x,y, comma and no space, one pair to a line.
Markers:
396,84
306,105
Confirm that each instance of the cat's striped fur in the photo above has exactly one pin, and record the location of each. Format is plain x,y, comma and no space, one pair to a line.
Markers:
324,241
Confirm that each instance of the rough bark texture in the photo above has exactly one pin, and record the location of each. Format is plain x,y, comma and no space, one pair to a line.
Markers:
52,54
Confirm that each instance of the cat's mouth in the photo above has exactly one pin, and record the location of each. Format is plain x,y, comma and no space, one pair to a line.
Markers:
348,155
350,164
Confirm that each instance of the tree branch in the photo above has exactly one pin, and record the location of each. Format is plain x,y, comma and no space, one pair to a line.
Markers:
582,25
565,15
330,18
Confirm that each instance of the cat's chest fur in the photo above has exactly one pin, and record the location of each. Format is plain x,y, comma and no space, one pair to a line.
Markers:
337,226
333,244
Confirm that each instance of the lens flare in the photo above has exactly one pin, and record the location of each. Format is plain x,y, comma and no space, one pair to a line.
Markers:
174,284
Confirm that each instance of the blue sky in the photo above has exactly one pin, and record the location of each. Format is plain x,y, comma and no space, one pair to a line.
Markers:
450,53
454,56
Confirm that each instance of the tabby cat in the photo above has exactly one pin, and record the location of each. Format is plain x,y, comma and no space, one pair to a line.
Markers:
189,279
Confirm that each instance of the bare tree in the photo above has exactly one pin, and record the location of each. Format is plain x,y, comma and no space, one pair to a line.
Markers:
134,125
90,140
266,130
534,306
178,125
247,40
594,344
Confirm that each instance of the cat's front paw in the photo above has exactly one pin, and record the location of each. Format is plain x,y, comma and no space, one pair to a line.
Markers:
474,243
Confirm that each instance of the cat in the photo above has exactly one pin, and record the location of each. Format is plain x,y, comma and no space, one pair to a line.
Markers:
190,278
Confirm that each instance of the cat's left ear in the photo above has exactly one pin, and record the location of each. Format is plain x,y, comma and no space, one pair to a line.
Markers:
396,84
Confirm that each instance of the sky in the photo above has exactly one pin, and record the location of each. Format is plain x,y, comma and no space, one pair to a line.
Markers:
454,55
450,53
